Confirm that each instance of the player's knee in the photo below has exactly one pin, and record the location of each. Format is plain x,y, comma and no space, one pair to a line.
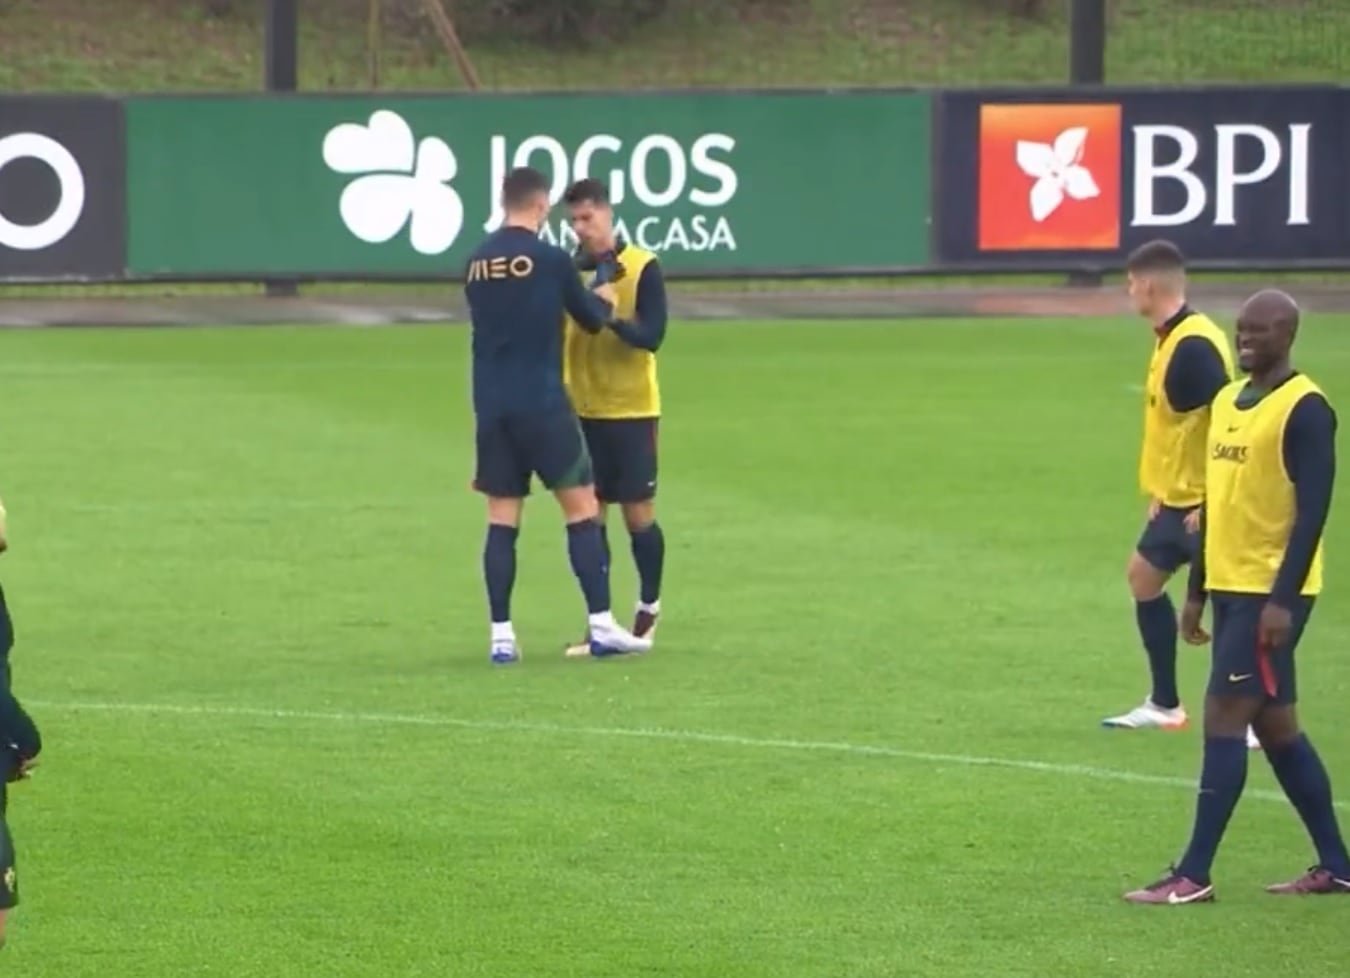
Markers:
504,512
1146,581
1277,726
578,503
638,516
1230,716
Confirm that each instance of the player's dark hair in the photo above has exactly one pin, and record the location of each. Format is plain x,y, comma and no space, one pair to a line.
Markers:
1156,256
588,190
520,185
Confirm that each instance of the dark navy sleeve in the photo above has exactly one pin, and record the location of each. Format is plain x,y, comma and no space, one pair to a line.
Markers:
648,330
1195,583
1195,374
588,309
1310,459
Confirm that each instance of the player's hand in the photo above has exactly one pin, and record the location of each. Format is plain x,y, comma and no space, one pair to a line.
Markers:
1154,508
1192,521
607,293
1189,622
1275,626
26,766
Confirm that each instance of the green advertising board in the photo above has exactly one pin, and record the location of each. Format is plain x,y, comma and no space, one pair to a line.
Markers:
406,185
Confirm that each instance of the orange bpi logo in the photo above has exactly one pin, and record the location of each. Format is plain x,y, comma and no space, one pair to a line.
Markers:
1049,177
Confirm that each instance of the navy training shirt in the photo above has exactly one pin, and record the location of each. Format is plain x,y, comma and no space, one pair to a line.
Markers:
519,289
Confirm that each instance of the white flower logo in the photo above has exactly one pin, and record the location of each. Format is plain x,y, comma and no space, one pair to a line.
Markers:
1058,170
397,184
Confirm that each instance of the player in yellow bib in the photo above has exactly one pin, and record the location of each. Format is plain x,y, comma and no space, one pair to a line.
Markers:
611,377
1268,485
1191,362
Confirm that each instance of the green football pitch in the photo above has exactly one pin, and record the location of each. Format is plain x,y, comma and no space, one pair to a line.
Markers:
245,575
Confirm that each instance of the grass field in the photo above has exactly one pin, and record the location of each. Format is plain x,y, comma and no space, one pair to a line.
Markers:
245,578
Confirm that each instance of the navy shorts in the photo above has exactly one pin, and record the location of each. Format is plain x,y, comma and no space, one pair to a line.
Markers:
623,451
1165,542
1239,666
6,628
512,448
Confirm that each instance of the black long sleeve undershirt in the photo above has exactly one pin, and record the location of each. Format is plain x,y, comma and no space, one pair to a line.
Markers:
647,330
1195,374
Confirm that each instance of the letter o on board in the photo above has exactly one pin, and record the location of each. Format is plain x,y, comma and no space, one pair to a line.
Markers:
44,234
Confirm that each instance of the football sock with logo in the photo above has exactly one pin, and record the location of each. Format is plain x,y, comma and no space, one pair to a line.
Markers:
499,569
1303,776
1222,779
649,553
586,550
1158,628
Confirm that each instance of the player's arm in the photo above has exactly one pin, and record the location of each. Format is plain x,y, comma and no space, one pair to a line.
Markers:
647,330
589,310
1195,375
1310,459
1196,589
17,729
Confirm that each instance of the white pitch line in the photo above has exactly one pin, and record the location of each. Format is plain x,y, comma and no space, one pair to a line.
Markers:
645,733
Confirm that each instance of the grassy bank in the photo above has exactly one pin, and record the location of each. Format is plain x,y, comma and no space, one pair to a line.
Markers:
152,45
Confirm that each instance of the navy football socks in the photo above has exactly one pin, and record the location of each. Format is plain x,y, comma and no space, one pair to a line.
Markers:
604,541
499,569
586,550
1221,782
1158,628
1301,774
649,553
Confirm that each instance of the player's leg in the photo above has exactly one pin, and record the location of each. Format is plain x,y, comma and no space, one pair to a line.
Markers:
9,884
1235,698
560,458
1164,546
635,492
504,477
1299,769
593,433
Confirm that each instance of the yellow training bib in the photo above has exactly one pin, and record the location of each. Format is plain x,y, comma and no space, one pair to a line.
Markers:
1172,460
1249,505
606,377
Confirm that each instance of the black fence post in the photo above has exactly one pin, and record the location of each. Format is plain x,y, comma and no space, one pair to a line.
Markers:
281,57
1087,42
1087,66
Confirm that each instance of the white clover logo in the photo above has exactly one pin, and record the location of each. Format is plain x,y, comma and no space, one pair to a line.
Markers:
397,182
1058,171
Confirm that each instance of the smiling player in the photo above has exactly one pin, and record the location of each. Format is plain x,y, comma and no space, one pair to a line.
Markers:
1269,480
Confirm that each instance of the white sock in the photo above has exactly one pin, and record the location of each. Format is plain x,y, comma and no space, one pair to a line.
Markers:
652,609
603,621
503,632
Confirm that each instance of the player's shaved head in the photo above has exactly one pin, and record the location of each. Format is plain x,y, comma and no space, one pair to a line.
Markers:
1272,307
1157,278
1266,327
